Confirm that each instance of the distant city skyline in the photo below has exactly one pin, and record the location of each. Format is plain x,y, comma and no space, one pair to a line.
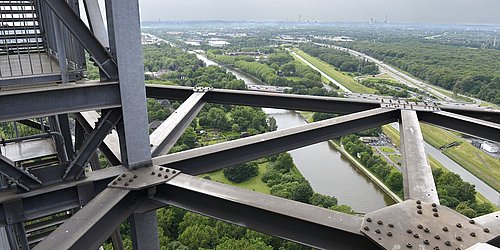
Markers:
421,11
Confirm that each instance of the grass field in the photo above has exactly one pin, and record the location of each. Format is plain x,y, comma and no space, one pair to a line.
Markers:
328,69
387,150
255,184
480,164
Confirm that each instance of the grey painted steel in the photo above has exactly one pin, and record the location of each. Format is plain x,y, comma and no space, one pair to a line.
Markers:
417,174
133,131
78,28
61,50
215,157
37,79
96,21
56,198
167,134
464,124
59,140
299,222
21,234
264,99
46,101
66,132
105,125
406,225
483,114
111,145
144,230
490,221
127,39
28,149
21,177
95,222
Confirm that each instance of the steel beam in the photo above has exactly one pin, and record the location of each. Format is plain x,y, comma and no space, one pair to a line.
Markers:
95,222
125,33
464,124
54,199
215,157
96,21
47,101
167,134
417,174
483,114
80,31
265,99
299,222
35,125
106,123
22,178
110,146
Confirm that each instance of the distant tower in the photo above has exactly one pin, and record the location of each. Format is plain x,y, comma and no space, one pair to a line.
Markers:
495,42
386,16
300,18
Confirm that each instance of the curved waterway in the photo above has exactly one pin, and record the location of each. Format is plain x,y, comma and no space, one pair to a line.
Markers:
322,165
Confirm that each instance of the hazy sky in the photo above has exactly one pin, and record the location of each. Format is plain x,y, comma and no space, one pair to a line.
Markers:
449,11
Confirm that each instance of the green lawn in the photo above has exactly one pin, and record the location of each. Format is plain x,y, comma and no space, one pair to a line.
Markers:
480,164
437,137
328,69
387,150
255,184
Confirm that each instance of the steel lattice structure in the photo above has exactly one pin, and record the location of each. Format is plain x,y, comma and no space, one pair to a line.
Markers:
145,178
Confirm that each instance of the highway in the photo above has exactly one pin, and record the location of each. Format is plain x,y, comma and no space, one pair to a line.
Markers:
346,90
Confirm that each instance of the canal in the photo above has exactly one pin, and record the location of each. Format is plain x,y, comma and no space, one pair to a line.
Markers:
323,166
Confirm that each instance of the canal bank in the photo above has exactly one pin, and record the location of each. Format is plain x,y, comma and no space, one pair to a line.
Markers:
326,169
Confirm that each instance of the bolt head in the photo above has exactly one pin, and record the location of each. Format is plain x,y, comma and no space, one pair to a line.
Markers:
114,182
416,236
380,222
369,219
434,209
426,230
124,175
426,242
131,180
419,202
434,205
420,226
126,184
119,178
366,228
389,234
486,230
445,229
153,173
447,243
419,211
409,231
159,174
458,238
459,225
377,230
391,225
161,169
419,207
472,221
473,234
437,237
135,176
436,215
408,245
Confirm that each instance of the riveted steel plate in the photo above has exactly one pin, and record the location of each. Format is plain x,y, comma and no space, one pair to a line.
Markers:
143,178
421,225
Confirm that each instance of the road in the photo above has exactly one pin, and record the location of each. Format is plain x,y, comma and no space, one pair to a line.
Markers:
346,90
481,187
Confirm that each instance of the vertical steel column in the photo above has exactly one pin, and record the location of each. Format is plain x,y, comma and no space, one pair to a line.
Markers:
125,41
61,50
66,132
417,174
21,234
59,141
96,21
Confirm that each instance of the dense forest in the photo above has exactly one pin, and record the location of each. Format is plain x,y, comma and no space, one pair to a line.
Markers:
463,70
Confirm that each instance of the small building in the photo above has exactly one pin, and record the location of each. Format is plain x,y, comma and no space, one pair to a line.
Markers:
490,147
218,44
